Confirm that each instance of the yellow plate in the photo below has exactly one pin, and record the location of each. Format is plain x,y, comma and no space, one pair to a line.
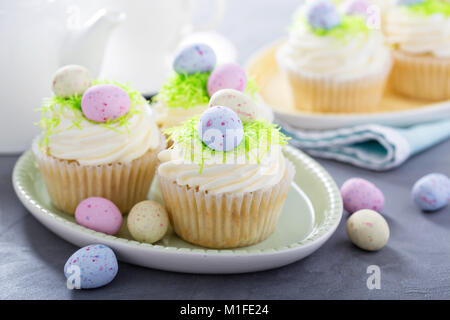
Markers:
394,109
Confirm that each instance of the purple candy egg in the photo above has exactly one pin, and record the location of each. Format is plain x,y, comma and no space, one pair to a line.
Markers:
105,102
358,194
99,214
90,267
195,58
227,76
356,7
432,192
220,128
322,14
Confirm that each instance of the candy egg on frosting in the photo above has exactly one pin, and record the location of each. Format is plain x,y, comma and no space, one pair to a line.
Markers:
195,58
70,80
368,230
360,194
91,267
227,76
99,214
148,221
105,102
322,14
432,192
220,128
356,7
237,101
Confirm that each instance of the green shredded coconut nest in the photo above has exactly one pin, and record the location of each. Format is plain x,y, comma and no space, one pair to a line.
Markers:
430,7
186,91
54,107
350,25
259,137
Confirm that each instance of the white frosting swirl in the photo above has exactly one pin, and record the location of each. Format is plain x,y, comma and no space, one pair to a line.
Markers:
418,34
94,144
356,56
239,175
167,117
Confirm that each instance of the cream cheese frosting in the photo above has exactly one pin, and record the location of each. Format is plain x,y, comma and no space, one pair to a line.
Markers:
238,175
356,56
94,144
418,34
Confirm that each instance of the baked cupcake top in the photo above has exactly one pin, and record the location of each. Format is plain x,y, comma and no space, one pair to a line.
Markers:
95,122
195,79
336,42
226,149
420,27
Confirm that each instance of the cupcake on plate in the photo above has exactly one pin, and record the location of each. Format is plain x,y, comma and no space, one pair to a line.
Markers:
98,138
196,78
334,61
419,32
225,178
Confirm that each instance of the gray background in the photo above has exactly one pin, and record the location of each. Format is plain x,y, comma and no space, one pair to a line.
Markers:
414,265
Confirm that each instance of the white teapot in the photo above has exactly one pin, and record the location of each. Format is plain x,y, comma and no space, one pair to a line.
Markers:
36,38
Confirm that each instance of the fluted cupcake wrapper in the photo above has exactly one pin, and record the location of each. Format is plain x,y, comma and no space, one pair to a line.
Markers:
227,220
68,182
421,77
318,93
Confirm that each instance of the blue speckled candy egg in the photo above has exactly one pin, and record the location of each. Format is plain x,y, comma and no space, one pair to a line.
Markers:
220,128
322,14
432,192
409,2
95,264
195,58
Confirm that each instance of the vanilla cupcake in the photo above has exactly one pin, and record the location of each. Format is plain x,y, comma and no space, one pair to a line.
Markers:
98,138
334,62
419,32
186,93
225,179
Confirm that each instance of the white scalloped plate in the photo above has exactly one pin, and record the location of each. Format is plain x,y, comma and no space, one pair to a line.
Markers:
393,110
311,214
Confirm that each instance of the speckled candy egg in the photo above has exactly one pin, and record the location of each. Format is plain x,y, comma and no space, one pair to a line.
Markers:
105,102
195,58
93,266
356,7
368,230
148,221
227,76
432,192
360,194
237,101
70,80
99,214
220,128
322,14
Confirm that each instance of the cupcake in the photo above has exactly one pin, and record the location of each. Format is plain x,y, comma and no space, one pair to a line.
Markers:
419,32
97,138
225,178
187,92
334,61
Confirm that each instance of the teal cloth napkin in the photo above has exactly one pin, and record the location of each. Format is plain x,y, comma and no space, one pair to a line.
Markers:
370,146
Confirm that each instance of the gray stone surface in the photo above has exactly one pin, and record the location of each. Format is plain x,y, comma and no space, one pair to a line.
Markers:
414,265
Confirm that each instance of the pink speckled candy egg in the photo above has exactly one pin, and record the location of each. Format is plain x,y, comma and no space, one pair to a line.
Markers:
148,221
99,214
356,7
105,102
227,76
360,194
237,101
70,80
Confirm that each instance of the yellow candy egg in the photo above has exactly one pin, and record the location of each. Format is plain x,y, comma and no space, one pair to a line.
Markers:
148,221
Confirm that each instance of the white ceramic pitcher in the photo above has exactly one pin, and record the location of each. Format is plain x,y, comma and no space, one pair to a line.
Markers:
36,38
